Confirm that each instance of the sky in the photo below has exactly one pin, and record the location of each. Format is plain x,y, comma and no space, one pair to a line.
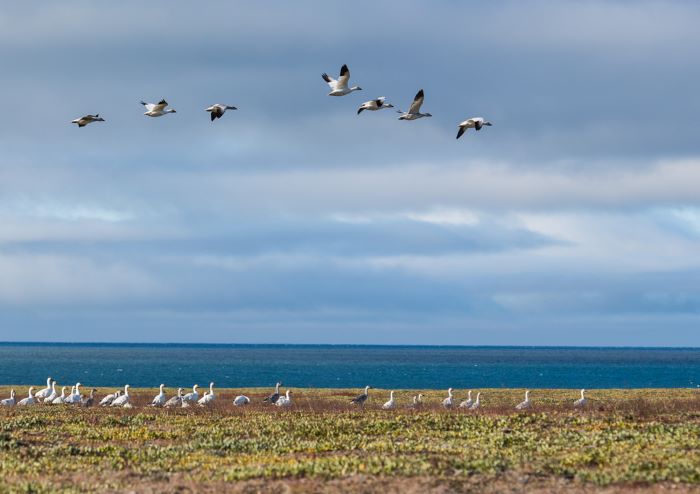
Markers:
573,220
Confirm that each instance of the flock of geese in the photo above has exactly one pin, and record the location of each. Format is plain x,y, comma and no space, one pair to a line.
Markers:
121,398
339,87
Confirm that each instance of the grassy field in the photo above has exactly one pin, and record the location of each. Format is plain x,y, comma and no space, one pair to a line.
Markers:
624,440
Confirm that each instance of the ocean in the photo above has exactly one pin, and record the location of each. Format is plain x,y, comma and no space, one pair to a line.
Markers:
349,366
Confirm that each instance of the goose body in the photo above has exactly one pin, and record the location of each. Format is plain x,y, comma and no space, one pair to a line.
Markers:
391,404
107,400
477,402
413,112
29,400
88,119
53,394
123,399
9,402
472,123
193,396
60,400
90,400
175,401
285,401
417,401
447,402
524,405
208,397
374,105
468,402
160,398
43,393
362,398
241,400
157,109
75,395
339,87
581,402
274,396
218,110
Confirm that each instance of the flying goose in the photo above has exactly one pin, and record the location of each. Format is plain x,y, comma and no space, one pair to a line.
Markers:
274,396
413,112
472,123
122,400
391,404
159,399
581,402
525,404
175,401
9,402
340,87
218,110
157,109
87,119
107,400
374,105
447,402
46,391
29,400
362,398
468,402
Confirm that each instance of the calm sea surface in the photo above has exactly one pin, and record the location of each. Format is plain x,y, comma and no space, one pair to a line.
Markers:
348,366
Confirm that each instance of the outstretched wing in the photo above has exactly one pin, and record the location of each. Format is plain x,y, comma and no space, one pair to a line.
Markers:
331,82
417,102
161,105
148,106
461,132
344,76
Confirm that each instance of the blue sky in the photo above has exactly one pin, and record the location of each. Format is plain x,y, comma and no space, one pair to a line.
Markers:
574,220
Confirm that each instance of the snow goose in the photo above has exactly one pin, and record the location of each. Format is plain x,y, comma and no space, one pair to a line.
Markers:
241,400
472,123
413,112
391,404
581,402
60,400
218,110
285,401
274,396
525,404
29,400
447,402
175,401
477,402
90,400
339,87
53,394
193,396
9,402
157,109
468,402
87,119
159,400
122,400
417,401
374,105
362,398
75,395
46,391
208,397
107,400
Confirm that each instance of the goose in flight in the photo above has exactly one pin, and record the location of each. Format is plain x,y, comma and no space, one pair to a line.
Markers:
285,401
107,400
122,400
218,110
59,400
339,87
468,402
472,123
29,400
413,112
274,396
87,119
46,391
175,401
362,398
391,404
157,109
581,402
193,396
374,105
477,402
241,400
9,402
525,404
159,399
447,402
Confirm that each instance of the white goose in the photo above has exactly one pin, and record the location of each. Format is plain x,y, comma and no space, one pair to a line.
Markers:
339,87
75,396
374,105
581,402
208,397
159,399
157,109
525,404
468,402
413,112
417,401
60,400
107,400
193,396
29,400
123,400
241,400
285,400
477,402
175,401
447,402
391,404
53,394
218,110
46,391
472,123
9,402
87,119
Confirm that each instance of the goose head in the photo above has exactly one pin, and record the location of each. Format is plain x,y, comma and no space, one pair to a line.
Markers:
63,391
194,388
161,387
12,394
449,392
367,388
169,110
356,88
126,389
489,124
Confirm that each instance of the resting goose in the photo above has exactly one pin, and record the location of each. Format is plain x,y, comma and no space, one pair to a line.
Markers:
9,402
87,119
374,105
46,391
60,400
123,400
157,109
285,401
413,112
193,396
417,401
175,401
391,404
29,400
362,398
218,110
524,405
159,399
208,397
472,123
241,400
339,87
107,400
75,395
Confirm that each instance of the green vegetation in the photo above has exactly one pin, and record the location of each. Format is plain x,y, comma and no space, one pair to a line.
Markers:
631,437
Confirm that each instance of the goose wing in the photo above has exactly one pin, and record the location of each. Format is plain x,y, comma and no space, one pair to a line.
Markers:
417,102
344,76
160,106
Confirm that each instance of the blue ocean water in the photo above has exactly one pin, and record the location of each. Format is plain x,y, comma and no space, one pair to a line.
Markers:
423,367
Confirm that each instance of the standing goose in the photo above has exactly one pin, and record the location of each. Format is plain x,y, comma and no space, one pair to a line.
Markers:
391,404
241,400
107,400
285,401
472,123
157,109
9,402
447,402
29,400
75,395
477,402
525,404
159,400
274,396
340,87
208,397
218,110
413,112
175,401
53,394
581,402
87,119
90,400
468,402
193,396
122,400
362,398
417,401
43,393
60,400
374,105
